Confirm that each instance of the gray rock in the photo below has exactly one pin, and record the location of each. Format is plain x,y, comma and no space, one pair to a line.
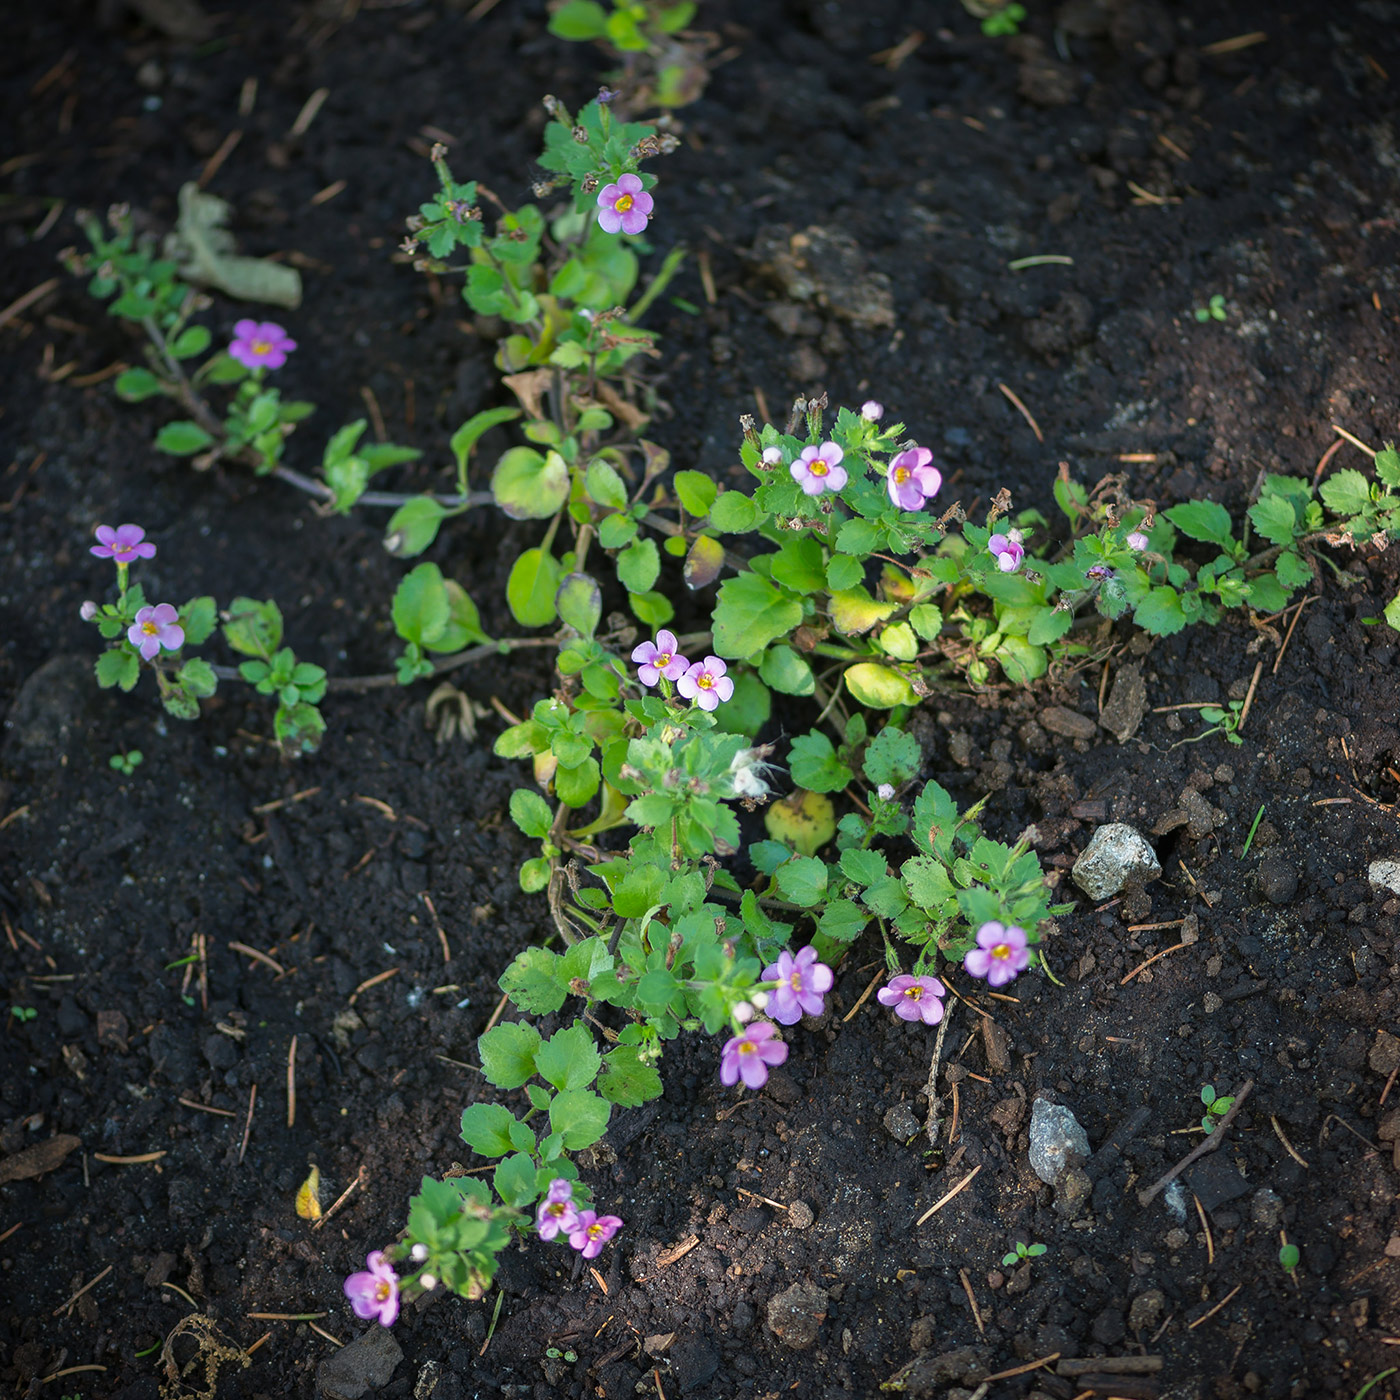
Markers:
1117,857
1068,724
365,1365
796,1315
1276,880
1200,815
1384,875
1055,1133
900,1123
1127,703
800,1215
1073,1192
1146,1310
49,712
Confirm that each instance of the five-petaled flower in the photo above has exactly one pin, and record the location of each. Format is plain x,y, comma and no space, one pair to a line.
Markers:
155,628
913,478
122,545
706,683
1007,551
591,1232
624,207
1137,541
914,998
803,983
375,1292
660,658
557,1211
819,469
750,1055
260,344
1000,953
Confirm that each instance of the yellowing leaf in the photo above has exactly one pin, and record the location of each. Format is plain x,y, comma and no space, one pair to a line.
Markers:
309,1196
854,611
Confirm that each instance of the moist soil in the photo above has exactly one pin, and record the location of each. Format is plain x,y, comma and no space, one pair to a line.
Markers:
1161,172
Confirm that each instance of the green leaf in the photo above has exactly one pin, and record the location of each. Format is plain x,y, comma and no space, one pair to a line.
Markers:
1022,662
1274,519
421,608
529,486
785,671
750,613
1160,612
935,821
530,812
654,609
199,617
798,565
486,1128
803,880
696,491
1202,520
508,1053
413,527
854,611
532,983
514,1180
638,565
118,667
196,677
463,621
1346,492
1266,594
1049,626
580,1117
1388,465
1292,571
733,513
192,341
893,757
673,18
844,572
569,1059
530,589
579,602
878,686
628,1080
577,784
928,882
748,709
842,921
887,898
465,438
603,484
579,19
1392,615
134,385
253,628
864,867
182,438
534,875
815,766
638,890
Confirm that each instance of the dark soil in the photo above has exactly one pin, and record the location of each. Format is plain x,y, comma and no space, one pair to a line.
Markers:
1278,164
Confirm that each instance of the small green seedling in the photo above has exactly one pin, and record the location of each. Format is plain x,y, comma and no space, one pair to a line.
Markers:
1023,1253
24,1013
1005,21
1214,310
1288,1258
126,763
1221,721
1216,1108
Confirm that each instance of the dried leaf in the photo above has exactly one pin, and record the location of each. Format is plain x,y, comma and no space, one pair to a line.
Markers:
309,1196
42,1157
203,250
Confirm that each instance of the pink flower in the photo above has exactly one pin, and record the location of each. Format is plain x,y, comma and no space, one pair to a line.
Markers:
591,1232
260,344
155,628
706,683
749,1056
1137,541
557,1211
122,545
88,611
1000,954
1007,550
375,1293
659,658
913,478
624,207
819,469
914,998
803,983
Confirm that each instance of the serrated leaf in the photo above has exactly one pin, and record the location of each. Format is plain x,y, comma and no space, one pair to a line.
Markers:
118,667
842,921
1160,612
750,613
532,982
580,1117
1202,520
803,880
1274,519
894,756
864,867
1346,492
508,1053
569,1059
815,766
486,1128
733,513
628,1080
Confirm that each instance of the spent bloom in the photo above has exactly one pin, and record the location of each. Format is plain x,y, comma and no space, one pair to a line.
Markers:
1098,573
1137,541
885,792
557,1211
375,1292
819,469
660,658
122,545
772,456
260,344
706,683
1007,550
624,207
872,410
803,983
750,1055
591,1232
914,998
88,611
913,478
155,628
1000,953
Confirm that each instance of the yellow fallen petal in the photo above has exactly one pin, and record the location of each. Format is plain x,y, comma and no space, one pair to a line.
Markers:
309,1196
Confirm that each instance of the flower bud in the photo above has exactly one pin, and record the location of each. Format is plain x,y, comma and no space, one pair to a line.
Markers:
427,1282
772,456
88,611
743,1012
1137,541
885,792
759,999
872,410
418,1253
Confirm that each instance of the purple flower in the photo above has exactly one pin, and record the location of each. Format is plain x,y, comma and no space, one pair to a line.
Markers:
122,545
1137,541
1007,550
660,658
155,628
260,344
819,469
1098,573
999,955
624,207
557,1211
375,1293
913,478
872,410
749,1056
914,998
706,683
802,981
591,1232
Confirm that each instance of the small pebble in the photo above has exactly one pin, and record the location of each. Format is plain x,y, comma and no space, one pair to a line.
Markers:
1276,880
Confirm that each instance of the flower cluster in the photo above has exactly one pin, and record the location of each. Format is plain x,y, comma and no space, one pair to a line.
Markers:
260,344
704,682
559,1214
1007,550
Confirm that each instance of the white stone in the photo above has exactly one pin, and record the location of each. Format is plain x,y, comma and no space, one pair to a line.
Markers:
1384,875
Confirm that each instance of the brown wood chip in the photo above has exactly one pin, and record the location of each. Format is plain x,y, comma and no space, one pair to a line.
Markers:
42,1157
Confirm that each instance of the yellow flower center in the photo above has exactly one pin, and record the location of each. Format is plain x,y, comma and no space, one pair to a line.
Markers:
262,347
747,1047
623,203
901,475
661,660
818,467
150,629
1002,951
556,1208
594,1231
705,681
382,1291
795,981
914,993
